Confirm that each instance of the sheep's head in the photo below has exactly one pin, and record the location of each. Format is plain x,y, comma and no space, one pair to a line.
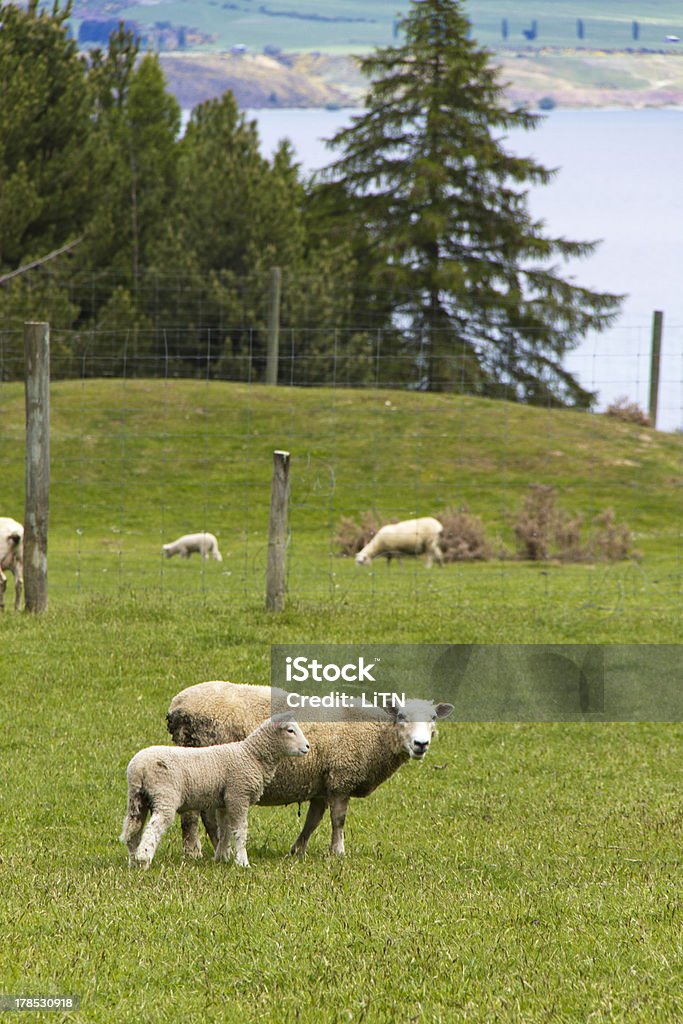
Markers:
416,724
166,550
362,558
294,743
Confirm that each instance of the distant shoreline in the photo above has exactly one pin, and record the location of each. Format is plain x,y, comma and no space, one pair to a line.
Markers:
540,79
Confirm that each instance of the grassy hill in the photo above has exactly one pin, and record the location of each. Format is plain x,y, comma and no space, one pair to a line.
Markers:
137,463
352,26
522,873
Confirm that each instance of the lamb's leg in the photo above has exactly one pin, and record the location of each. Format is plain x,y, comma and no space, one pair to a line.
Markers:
189,826
338,807
211,826
133,824
238,827
3,587
18,588
160,822
316,810
224,844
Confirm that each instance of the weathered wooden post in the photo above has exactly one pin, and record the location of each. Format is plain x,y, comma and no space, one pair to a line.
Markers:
655,356
37,357
277,534
273,325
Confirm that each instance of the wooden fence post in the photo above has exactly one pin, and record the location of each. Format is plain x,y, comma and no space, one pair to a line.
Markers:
277,533
657,321
273,325
37,357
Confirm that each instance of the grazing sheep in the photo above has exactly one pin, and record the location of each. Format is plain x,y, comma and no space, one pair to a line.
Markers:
226,779
11,558
203,543
411,537
348,758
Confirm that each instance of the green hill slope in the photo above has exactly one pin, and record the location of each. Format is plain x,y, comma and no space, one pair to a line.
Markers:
140,462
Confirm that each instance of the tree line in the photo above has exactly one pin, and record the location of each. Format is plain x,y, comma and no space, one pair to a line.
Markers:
416,240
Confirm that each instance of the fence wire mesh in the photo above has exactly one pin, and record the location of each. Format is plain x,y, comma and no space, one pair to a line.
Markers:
147,447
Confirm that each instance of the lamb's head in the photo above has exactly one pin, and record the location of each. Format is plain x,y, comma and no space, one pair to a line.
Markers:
362,558
416,724
166,548
292,740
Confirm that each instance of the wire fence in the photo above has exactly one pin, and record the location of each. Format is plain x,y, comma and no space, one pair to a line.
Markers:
140,458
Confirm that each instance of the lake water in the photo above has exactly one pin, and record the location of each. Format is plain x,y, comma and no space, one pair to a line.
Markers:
620,180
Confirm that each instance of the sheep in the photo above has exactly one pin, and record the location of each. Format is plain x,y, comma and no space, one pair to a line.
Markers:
227,779
204,543
11,558
411,537
348,758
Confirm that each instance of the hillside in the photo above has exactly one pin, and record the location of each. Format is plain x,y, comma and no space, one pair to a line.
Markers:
135,463
567,78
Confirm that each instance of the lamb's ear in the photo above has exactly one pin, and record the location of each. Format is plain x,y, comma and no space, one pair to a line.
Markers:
443,710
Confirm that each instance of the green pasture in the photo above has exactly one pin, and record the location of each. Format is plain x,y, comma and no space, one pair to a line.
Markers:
523,873
354,26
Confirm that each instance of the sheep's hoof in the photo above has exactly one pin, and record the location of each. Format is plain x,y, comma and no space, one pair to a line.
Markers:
297,851
194,852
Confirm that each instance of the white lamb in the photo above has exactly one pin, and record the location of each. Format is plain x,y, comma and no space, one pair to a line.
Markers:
11,558
411,537
348,758
226,779
204,544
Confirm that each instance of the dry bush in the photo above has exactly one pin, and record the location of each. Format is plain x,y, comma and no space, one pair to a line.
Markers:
351,536
536,523
463,538
611,542
624,409
543,531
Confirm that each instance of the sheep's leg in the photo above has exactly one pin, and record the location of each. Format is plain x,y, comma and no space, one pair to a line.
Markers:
18,588
189,826
211,826
316,810
224,844
133,824
3,587
338,808
160,822
238,827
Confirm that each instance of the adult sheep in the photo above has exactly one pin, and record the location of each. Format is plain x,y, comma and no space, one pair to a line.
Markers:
11,558
411,537
347,758
204,544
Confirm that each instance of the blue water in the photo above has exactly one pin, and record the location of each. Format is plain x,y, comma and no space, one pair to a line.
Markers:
620,180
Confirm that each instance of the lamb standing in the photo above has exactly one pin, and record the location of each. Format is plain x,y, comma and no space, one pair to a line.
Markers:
411,537
11,558
227,778
349,758
203,543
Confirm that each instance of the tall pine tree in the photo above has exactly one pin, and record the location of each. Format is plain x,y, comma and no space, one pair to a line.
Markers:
447,241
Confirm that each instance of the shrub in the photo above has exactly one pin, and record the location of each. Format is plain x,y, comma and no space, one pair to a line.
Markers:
544,531
624,409
536,523
464,537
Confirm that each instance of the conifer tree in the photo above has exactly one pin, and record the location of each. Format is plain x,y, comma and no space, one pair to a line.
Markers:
445,238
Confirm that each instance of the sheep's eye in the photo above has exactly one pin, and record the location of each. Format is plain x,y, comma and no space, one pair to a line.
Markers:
290,730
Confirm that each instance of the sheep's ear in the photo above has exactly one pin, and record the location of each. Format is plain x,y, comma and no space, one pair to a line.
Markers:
443,710
392,710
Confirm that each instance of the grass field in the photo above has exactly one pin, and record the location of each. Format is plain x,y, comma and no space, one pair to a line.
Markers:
526,873
352,26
